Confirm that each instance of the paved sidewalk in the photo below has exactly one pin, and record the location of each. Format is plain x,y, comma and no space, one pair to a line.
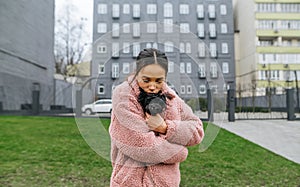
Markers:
279,136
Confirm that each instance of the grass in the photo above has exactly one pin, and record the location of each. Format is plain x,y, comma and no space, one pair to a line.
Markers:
50,151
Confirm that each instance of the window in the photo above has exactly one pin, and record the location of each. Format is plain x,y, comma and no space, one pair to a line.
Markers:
182,67
290,7
202,71
182,47
261,75
274,75
115,50
212,30
185,47
115,10
202,89
115,70
224,28
126,28
169,46
168,25
213,70
211,11
136,11
126,9
135,49
189,89
188,67
148,45
184,9
225,67
184,27
226,87
154,45
102,28
101,89
102,8
201,49
223,9
171,67
115,30
101,69
136,29
262,58
126,68
151,9
101,48
188,48
168,10
271,58
213,49
182,89
200,11
126,47
151,28
224,48
265,43
286,43
200,28
266,7
271,24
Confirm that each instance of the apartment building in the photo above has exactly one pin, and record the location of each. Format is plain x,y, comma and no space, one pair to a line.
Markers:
26,53
269,40
197,36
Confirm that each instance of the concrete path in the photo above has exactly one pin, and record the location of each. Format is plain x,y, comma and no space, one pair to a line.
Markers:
279,136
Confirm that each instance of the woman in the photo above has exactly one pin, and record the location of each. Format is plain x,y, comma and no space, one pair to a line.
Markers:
147,147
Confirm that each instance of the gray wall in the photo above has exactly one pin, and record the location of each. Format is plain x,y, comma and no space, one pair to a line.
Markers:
26,52
65,94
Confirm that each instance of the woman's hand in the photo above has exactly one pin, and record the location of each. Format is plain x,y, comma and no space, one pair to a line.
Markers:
156,123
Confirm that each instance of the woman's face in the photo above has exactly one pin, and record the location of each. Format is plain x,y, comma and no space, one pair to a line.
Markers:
151,78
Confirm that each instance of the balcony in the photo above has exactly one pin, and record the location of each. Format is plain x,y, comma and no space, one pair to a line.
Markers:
277,33
277,16
278,49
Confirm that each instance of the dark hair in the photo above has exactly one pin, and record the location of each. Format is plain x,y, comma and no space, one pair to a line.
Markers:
151,56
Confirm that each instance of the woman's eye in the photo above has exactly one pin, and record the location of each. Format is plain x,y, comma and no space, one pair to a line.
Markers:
146,81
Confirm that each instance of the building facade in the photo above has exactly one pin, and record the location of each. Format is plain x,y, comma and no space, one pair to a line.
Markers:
26,53
269,40
197,37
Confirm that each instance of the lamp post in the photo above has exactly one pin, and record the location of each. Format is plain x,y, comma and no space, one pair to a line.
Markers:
36,98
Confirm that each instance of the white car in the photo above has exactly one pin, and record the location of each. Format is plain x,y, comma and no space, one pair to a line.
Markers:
99,106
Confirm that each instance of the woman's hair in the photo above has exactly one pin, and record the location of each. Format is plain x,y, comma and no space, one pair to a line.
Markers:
151,56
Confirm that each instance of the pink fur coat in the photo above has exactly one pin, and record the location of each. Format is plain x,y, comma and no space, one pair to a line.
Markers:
139,157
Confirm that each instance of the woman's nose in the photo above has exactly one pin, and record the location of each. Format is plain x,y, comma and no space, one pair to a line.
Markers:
152,86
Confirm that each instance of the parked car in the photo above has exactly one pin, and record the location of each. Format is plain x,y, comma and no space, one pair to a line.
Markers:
99,106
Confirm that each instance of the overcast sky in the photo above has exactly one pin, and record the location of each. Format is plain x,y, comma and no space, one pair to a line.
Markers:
85,10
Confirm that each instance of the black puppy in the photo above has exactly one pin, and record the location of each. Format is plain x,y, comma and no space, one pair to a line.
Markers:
152,103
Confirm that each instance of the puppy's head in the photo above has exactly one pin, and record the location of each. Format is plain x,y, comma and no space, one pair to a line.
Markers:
155,106
152,103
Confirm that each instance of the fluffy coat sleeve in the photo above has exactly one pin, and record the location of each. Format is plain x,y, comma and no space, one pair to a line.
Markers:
188,130
131,135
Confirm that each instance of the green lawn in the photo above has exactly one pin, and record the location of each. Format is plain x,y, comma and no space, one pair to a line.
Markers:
50,151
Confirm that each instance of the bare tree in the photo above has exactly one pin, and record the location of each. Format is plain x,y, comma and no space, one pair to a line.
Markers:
69,37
